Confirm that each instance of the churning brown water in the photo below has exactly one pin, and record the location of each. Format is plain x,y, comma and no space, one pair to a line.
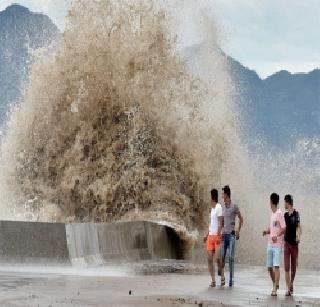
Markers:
112,125
115,125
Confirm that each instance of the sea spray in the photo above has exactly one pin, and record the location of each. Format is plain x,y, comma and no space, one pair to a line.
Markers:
117,125
114,127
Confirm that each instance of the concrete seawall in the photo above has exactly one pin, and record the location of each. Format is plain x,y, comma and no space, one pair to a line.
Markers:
26,242
82,244
91,243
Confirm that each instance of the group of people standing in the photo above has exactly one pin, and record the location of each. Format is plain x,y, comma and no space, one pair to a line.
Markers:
283,232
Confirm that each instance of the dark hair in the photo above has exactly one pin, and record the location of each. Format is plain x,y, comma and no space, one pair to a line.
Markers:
288,199
214,195
274,198
227,190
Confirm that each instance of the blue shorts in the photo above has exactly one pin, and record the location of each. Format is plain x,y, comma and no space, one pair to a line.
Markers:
273,256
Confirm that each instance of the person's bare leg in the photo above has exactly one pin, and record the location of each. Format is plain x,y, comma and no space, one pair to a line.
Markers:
288,281
276,272
219,263
270,270
293,275
211,269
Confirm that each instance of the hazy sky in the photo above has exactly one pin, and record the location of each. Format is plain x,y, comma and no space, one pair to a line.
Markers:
264,35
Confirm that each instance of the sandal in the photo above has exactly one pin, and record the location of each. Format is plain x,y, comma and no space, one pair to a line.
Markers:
288,293
212,285
291,289
273,293
223,281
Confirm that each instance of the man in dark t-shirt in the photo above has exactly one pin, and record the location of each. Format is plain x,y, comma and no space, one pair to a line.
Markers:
291,245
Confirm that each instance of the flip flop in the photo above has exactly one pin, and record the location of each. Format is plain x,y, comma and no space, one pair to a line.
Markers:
212,285
273,293
288,293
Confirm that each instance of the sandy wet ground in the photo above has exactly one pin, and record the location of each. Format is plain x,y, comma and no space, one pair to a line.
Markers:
117,286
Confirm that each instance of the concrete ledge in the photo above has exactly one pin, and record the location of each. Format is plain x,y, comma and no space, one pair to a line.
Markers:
34,243
94,244
85,244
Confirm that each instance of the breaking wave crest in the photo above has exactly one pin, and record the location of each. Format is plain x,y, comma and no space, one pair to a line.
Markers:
113,126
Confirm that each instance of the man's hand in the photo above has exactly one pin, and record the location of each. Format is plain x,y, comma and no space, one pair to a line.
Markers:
237,234
274,239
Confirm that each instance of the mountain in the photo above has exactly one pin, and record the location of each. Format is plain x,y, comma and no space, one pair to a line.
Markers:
281,108
20,32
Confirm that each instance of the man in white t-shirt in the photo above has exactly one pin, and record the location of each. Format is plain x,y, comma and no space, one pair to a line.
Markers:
213,237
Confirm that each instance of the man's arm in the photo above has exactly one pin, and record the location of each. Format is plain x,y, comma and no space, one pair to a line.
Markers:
240,217
266,232
205,237
281,233
220,221
238,214
299,230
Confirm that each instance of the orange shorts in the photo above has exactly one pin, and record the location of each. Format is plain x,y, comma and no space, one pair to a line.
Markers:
213,242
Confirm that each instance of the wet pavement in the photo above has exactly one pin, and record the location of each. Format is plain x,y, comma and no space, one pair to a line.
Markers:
117,285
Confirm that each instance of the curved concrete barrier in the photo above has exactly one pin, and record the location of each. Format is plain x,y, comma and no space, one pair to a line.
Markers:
84,244
91,243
